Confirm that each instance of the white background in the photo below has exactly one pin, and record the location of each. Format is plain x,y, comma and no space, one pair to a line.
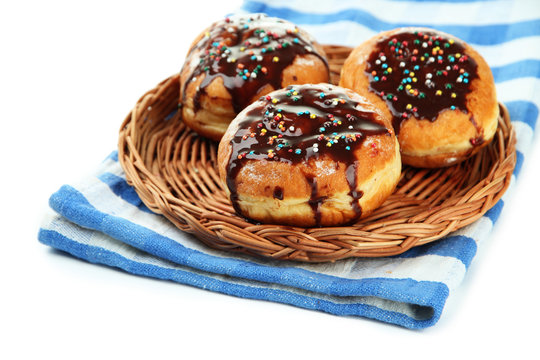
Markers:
69,74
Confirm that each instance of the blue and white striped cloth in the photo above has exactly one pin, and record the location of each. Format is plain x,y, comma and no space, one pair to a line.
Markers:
102,220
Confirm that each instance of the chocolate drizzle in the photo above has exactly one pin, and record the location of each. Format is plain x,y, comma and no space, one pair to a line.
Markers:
421,74
300,124
315,201
278,193
355,194
248,52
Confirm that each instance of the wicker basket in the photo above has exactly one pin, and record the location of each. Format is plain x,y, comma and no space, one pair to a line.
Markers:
173,171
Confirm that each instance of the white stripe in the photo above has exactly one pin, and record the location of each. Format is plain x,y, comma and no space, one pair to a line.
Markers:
527,88
445,269
434,13
510,191
345,33
103,199
478,230
89,237
524,136
521,89
350,33
526,48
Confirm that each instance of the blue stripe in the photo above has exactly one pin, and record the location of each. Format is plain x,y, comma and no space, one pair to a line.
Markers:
476,34
519,162
427,312
112,156
519,69
122,189
458,246
525,111
494,213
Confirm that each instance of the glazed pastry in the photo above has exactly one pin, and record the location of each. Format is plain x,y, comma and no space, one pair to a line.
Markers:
438,91
309,155
239,59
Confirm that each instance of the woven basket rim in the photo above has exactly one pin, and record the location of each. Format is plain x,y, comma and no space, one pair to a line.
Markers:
171,169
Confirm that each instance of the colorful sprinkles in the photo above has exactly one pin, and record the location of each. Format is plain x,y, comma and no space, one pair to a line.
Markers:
248,52
301,121
254,49
420,74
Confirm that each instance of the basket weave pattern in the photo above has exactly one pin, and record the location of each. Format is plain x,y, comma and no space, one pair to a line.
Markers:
174,172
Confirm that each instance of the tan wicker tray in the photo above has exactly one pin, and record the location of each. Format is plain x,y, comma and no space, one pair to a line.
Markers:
173,171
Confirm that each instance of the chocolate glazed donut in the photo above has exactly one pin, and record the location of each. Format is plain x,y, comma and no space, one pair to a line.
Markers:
439,92
309,155
239,59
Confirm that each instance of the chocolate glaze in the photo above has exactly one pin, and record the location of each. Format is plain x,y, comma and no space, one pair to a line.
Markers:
278,193
479,139
315,201
247,52
352,179
421,74
299,124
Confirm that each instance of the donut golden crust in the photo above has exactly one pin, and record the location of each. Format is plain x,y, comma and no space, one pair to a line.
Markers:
309,155
239,59
437,89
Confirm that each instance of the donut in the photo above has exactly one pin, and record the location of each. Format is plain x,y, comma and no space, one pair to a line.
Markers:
309,155
438,91
237,60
